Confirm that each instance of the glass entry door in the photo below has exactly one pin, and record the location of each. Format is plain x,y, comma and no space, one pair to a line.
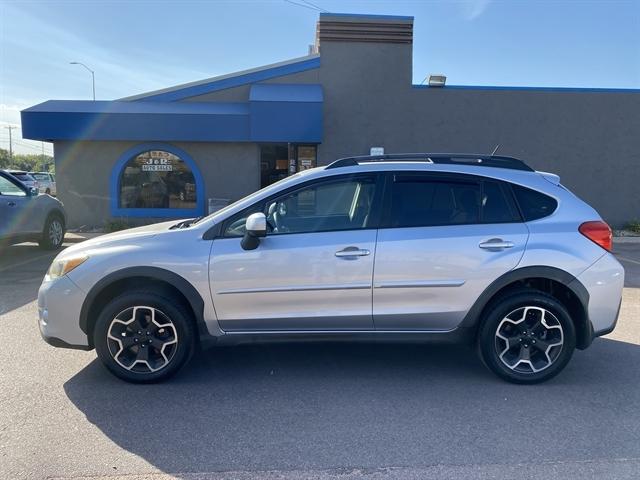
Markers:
278,161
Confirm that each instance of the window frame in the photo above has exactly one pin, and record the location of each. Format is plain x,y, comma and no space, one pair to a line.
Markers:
260,205
451,177
116,179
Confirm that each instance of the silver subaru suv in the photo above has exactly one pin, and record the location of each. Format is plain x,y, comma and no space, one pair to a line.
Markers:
409,247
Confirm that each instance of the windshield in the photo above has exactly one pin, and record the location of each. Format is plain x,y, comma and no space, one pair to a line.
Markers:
40,176
23,177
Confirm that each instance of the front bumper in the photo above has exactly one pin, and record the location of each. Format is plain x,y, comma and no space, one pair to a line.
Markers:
604,280
59,304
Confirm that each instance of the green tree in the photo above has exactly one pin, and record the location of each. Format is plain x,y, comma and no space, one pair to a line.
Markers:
4,158
37,163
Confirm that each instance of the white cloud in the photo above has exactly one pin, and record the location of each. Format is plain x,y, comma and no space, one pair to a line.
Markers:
41,71
472,9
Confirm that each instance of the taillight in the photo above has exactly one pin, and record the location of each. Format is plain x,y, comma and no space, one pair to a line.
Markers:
598,232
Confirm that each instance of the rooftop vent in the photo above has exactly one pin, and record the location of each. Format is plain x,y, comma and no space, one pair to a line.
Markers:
364,28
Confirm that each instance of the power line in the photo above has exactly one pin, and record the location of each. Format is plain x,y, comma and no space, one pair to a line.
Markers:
303,5
316,6
26,145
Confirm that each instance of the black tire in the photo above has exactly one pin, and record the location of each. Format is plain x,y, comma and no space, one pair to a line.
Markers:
48,191
167,308
530,340
50,240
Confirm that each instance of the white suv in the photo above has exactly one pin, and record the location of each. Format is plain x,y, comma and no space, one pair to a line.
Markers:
411,247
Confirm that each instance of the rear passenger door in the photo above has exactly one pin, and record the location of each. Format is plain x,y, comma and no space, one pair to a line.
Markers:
444,239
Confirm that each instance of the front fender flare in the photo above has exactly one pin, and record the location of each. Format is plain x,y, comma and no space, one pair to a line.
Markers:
188,291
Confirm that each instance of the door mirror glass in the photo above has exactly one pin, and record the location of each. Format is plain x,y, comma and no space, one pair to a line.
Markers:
255,228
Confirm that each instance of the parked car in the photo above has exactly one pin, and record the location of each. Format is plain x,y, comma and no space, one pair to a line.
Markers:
25,178
46,182
26,216
419,247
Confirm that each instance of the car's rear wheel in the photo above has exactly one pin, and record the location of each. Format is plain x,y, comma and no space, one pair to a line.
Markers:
528,337
144,337
52,233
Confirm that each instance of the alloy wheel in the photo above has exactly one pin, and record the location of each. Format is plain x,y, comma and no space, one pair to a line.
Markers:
142,339
55,232
529,339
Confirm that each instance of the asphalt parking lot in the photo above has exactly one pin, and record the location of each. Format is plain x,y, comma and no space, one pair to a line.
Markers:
312,411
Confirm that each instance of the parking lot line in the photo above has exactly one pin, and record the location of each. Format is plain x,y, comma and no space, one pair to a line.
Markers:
625,259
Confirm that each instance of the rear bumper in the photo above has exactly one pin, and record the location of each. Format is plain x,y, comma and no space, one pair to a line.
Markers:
604,280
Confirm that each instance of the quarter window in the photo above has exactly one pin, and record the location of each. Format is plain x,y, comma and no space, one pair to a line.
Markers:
157,179
534,205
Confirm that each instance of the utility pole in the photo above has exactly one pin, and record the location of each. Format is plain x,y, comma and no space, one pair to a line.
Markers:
10,128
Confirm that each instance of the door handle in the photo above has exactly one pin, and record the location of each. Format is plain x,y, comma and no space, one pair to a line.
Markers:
496,243
352,252
11,204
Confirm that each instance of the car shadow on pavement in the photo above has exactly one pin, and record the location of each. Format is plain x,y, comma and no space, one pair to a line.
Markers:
291,406
21,270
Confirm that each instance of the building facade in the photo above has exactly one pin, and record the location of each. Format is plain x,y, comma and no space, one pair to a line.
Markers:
185,150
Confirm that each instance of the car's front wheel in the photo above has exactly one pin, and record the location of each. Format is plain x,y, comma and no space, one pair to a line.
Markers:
527,337
144,336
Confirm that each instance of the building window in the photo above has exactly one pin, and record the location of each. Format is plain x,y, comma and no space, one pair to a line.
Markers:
156,180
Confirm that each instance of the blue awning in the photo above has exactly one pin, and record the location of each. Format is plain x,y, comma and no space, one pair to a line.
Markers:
274,113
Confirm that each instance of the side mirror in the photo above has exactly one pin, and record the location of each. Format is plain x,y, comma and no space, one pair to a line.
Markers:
255,228
33,192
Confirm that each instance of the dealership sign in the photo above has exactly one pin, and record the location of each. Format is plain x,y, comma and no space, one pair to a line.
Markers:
157,165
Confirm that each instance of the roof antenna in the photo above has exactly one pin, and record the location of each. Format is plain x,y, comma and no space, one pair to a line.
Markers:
495,150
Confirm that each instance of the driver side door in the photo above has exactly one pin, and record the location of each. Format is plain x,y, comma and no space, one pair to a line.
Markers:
313,270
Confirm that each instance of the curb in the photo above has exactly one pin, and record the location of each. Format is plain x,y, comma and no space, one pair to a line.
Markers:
626,239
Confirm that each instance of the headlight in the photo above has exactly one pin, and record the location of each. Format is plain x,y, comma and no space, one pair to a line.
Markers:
61,267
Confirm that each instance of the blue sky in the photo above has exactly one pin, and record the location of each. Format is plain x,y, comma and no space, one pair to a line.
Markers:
135,46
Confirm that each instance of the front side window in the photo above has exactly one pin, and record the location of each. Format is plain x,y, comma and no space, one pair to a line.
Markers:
325,206
157,179
10,189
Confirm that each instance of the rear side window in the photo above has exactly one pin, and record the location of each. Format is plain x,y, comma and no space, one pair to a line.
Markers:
497,204
534,205
421,201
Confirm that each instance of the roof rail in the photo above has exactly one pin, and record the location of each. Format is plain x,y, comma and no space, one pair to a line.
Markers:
496,161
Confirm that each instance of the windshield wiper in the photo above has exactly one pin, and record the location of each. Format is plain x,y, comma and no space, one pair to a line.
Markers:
185,223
